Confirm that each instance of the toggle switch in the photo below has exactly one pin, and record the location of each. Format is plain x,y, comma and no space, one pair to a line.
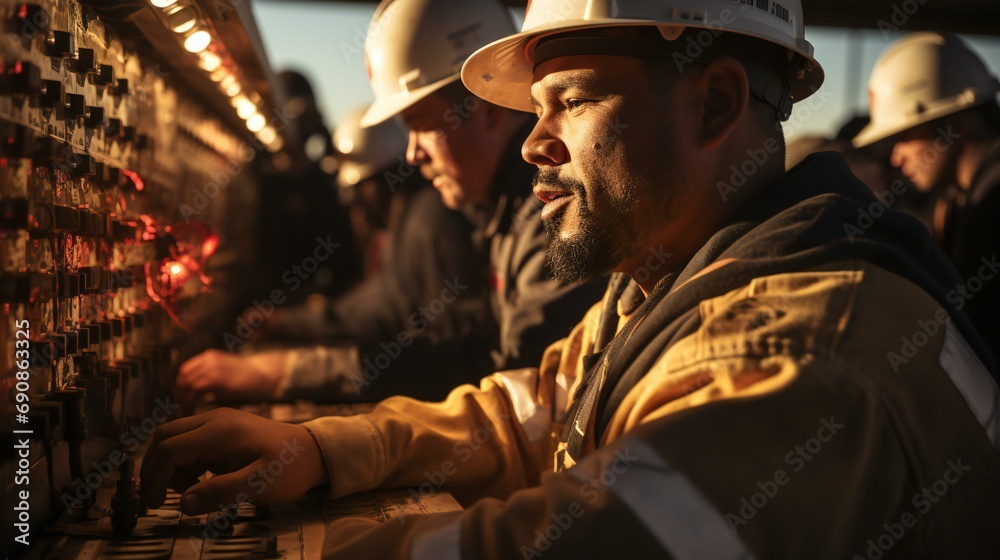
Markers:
85,61
60,44
74,108
23,78
51,95
105,75
93,117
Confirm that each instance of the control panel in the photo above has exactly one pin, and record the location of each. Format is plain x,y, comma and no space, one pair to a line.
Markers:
129,139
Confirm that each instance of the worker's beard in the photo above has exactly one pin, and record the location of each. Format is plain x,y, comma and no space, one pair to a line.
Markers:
602,239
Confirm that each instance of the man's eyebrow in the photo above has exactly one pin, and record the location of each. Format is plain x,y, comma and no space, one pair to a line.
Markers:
413,118
585,82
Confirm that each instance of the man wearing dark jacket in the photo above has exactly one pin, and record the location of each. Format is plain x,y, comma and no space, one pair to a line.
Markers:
773,390
470,150
425,245
935,101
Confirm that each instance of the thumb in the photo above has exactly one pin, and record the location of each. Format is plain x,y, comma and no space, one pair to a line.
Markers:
219,492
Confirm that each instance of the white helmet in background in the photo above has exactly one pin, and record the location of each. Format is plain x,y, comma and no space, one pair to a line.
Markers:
501,72
922,77
416,47
366,151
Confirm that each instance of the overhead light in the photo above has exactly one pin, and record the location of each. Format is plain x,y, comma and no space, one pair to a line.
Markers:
244,107
162,3
182,19
219,75
352,176
230,86
209,61
256,122
197,41
267,134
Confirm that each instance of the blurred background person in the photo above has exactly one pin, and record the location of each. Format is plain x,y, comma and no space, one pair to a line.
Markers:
425,248
933,99
471,151
413,244
300,206
869,164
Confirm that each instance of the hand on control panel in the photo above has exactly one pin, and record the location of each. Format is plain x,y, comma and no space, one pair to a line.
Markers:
254,459
231,377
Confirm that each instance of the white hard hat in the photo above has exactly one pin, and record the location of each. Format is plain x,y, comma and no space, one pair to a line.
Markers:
416,47
501,72
365,151
922,77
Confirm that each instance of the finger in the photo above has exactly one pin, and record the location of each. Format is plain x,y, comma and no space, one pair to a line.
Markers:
192,365
195,388
163,457
186,477
219,491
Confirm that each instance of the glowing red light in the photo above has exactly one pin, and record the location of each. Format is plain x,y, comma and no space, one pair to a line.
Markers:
136,179
175,268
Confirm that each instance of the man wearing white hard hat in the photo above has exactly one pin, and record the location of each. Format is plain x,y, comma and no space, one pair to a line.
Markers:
747,399
935,102
429,246
470,150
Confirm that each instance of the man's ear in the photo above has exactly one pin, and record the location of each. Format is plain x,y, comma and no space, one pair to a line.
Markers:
724,93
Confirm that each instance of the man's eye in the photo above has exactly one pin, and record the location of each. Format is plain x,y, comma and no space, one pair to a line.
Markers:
575,103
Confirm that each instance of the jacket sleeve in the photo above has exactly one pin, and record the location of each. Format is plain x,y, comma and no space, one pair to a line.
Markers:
480,442
773,454
432,258
489,441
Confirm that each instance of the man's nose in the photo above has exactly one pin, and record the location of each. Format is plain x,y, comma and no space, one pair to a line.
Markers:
415,154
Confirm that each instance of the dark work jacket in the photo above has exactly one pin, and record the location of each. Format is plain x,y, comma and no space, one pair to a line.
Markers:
971,238
431,249
529,311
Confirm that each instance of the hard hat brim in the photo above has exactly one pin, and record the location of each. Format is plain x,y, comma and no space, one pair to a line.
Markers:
388,106
874,133
501,71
